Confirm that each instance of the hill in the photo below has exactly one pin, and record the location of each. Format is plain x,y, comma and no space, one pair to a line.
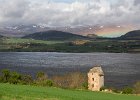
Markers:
92,36
1,36
132,35
54,35
23,92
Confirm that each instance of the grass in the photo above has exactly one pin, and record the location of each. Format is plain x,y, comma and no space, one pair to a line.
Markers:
21,41
22,92
10,44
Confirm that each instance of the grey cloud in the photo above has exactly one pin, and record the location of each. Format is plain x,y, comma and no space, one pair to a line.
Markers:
137,2
13,8
75,13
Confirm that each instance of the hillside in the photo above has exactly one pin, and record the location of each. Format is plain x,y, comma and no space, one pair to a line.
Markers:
54,35
1,36
23,92
132,35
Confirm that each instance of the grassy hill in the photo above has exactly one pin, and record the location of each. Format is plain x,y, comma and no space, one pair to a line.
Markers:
133,35
21,92
54,35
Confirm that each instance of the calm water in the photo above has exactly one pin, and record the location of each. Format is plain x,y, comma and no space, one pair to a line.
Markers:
121,69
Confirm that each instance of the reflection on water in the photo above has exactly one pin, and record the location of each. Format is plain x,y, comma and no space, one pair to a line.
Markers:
120,69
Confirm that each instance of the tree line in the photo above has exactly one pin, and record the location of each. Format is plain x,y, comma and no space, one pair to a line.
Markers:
75,80
72,80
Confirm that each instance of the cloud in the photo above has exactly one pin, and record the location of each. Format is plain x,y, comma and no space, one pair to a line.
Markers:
12,11
78,12
137,2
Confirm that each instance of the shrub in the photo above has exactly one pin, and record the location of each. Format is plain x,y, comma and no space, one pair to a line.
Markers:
49,83
26,79
137,88
41,79
85,85
44,83
41,76
127,90
15,78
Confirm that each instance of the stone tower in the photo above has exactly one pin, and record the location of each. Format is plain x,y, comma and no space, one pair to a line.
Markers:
95,79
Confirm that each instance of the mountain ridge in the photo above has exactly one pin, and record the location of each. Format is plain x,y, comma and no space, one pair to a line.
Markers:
54,35
100,30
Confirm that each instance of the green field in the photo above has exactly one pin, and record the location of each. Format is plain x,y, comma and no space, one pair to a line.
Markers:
22,92
21,41
31,45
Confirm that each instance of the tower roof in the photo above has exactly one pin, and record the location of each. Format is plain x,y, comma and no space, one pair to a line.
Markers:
97,70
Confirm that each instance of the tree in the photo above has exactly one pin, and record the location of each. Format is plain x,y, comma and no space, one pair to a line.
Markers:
5,75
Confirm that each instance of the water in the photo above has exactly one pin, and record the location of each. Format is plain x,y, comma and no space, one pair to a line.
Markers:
121,69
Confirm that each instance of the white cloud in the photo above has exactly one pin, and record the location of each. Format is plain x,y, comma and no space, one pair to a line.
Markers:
79,12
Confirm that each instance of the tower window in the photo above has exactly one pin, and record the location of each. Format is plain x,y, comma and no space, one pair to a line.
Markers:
93,79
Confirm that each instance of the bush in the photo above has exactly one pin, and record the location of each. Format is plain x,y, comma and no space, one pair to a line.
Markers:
127,90
41,76
26,79
15,78
41,79
85,85
137,88
49,83
44,83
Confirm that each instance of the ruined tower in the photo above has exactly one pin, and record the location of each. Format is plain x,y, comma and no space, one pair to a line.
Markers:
95,79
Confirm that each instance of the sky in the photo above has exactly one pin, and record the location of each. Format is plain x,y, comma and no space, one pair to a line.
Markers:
70,12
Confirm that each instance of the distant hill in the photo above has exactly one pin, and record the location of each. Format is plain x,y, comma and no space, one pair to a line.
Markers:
1,36
92,36
133,35
54,35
